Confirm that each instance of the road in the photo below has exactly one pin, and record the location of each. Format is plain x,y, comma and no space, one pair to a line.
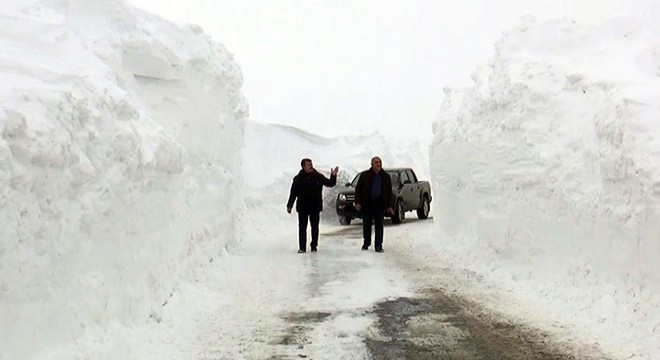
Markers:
435,323
345,303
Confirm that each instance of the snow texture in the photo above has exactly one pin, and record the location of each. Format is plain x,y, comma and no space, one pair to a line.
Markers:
116,138
547,175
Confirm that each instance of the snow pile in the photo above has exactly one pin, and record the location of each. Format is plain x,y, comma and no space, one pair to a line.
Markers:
547,174
118,138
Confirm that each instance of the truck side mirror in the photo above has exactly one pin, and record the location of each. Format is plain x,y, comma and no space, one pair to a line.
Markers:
347,184
407,182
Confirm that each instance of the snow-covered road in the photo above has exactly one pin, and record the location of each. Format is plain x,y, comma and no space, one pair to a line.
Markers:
338,303
315,304
282,303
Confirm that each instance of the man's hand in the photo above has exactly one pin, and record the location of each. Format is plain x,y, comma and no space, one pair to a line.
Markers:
288,209
389,210
334,171
357,206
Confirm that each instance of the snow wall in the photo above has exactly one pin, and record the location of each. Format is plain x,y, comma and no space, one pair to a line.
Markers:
547,170
120,138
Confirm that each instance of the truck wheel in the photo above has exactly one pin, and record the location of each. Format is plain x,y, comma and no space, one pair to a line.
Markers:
344,220
423,212
399,214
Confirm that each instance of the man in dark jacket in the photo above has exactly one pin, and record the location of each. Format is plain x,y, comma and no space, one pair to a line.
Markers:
307,187
373,196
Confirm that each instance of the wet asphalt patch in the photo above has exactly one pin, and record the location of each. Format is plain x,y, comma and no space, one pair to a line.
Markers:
440,326
434,324
299,325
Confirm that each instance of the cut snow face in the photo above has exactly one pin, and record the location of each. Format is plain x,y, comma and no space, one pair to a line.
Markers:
118,138
546,174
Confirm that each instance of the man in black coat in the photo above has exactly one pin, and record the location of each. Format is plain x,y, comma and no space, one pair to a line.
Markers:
373,196
307,187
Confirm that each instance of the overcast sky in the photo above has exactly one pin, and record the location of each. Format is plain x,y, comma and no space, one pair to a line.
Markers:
341,66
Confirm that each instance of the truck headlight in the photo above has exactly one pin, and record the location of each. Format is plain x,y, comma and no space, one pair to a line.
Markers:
342,197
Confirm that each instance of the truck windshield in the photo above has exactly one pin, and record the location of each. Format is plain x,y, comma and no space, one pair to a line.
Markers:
393,174
395,178
355,180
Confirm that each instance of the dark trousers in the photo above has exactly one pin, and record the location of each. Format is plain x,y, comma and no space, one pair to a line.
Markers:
302,229
374,213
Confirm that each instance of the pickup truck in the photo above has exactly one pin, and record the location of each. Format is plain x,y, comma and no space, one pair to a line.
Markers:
409,194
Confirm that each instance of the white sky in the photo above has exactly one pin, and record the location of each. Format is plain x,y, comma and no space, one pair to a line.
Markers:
333,67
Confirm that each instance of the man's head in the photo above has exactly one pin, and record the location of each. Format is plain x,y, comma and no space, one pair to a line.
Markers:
376,164
306,164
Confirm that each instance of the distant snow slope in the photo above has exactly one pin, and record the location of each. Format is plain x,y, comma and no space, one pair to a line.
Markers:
350,153
273,152
547,175
118,150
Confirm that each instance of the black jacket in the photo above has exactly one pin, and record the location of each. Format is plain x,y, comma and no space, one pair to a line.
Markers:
307,188
363,189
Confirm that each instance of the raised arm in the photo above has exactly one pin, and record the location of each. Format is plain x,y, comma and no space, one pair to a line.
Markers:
329,182
332,181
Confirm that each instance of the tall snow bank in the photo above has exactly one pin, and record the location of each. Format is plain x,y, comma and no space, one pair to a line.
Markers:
119,138
547,174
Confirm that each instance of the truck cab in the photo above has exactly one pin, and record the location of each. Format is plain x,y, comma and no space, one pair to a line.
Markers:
409,194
